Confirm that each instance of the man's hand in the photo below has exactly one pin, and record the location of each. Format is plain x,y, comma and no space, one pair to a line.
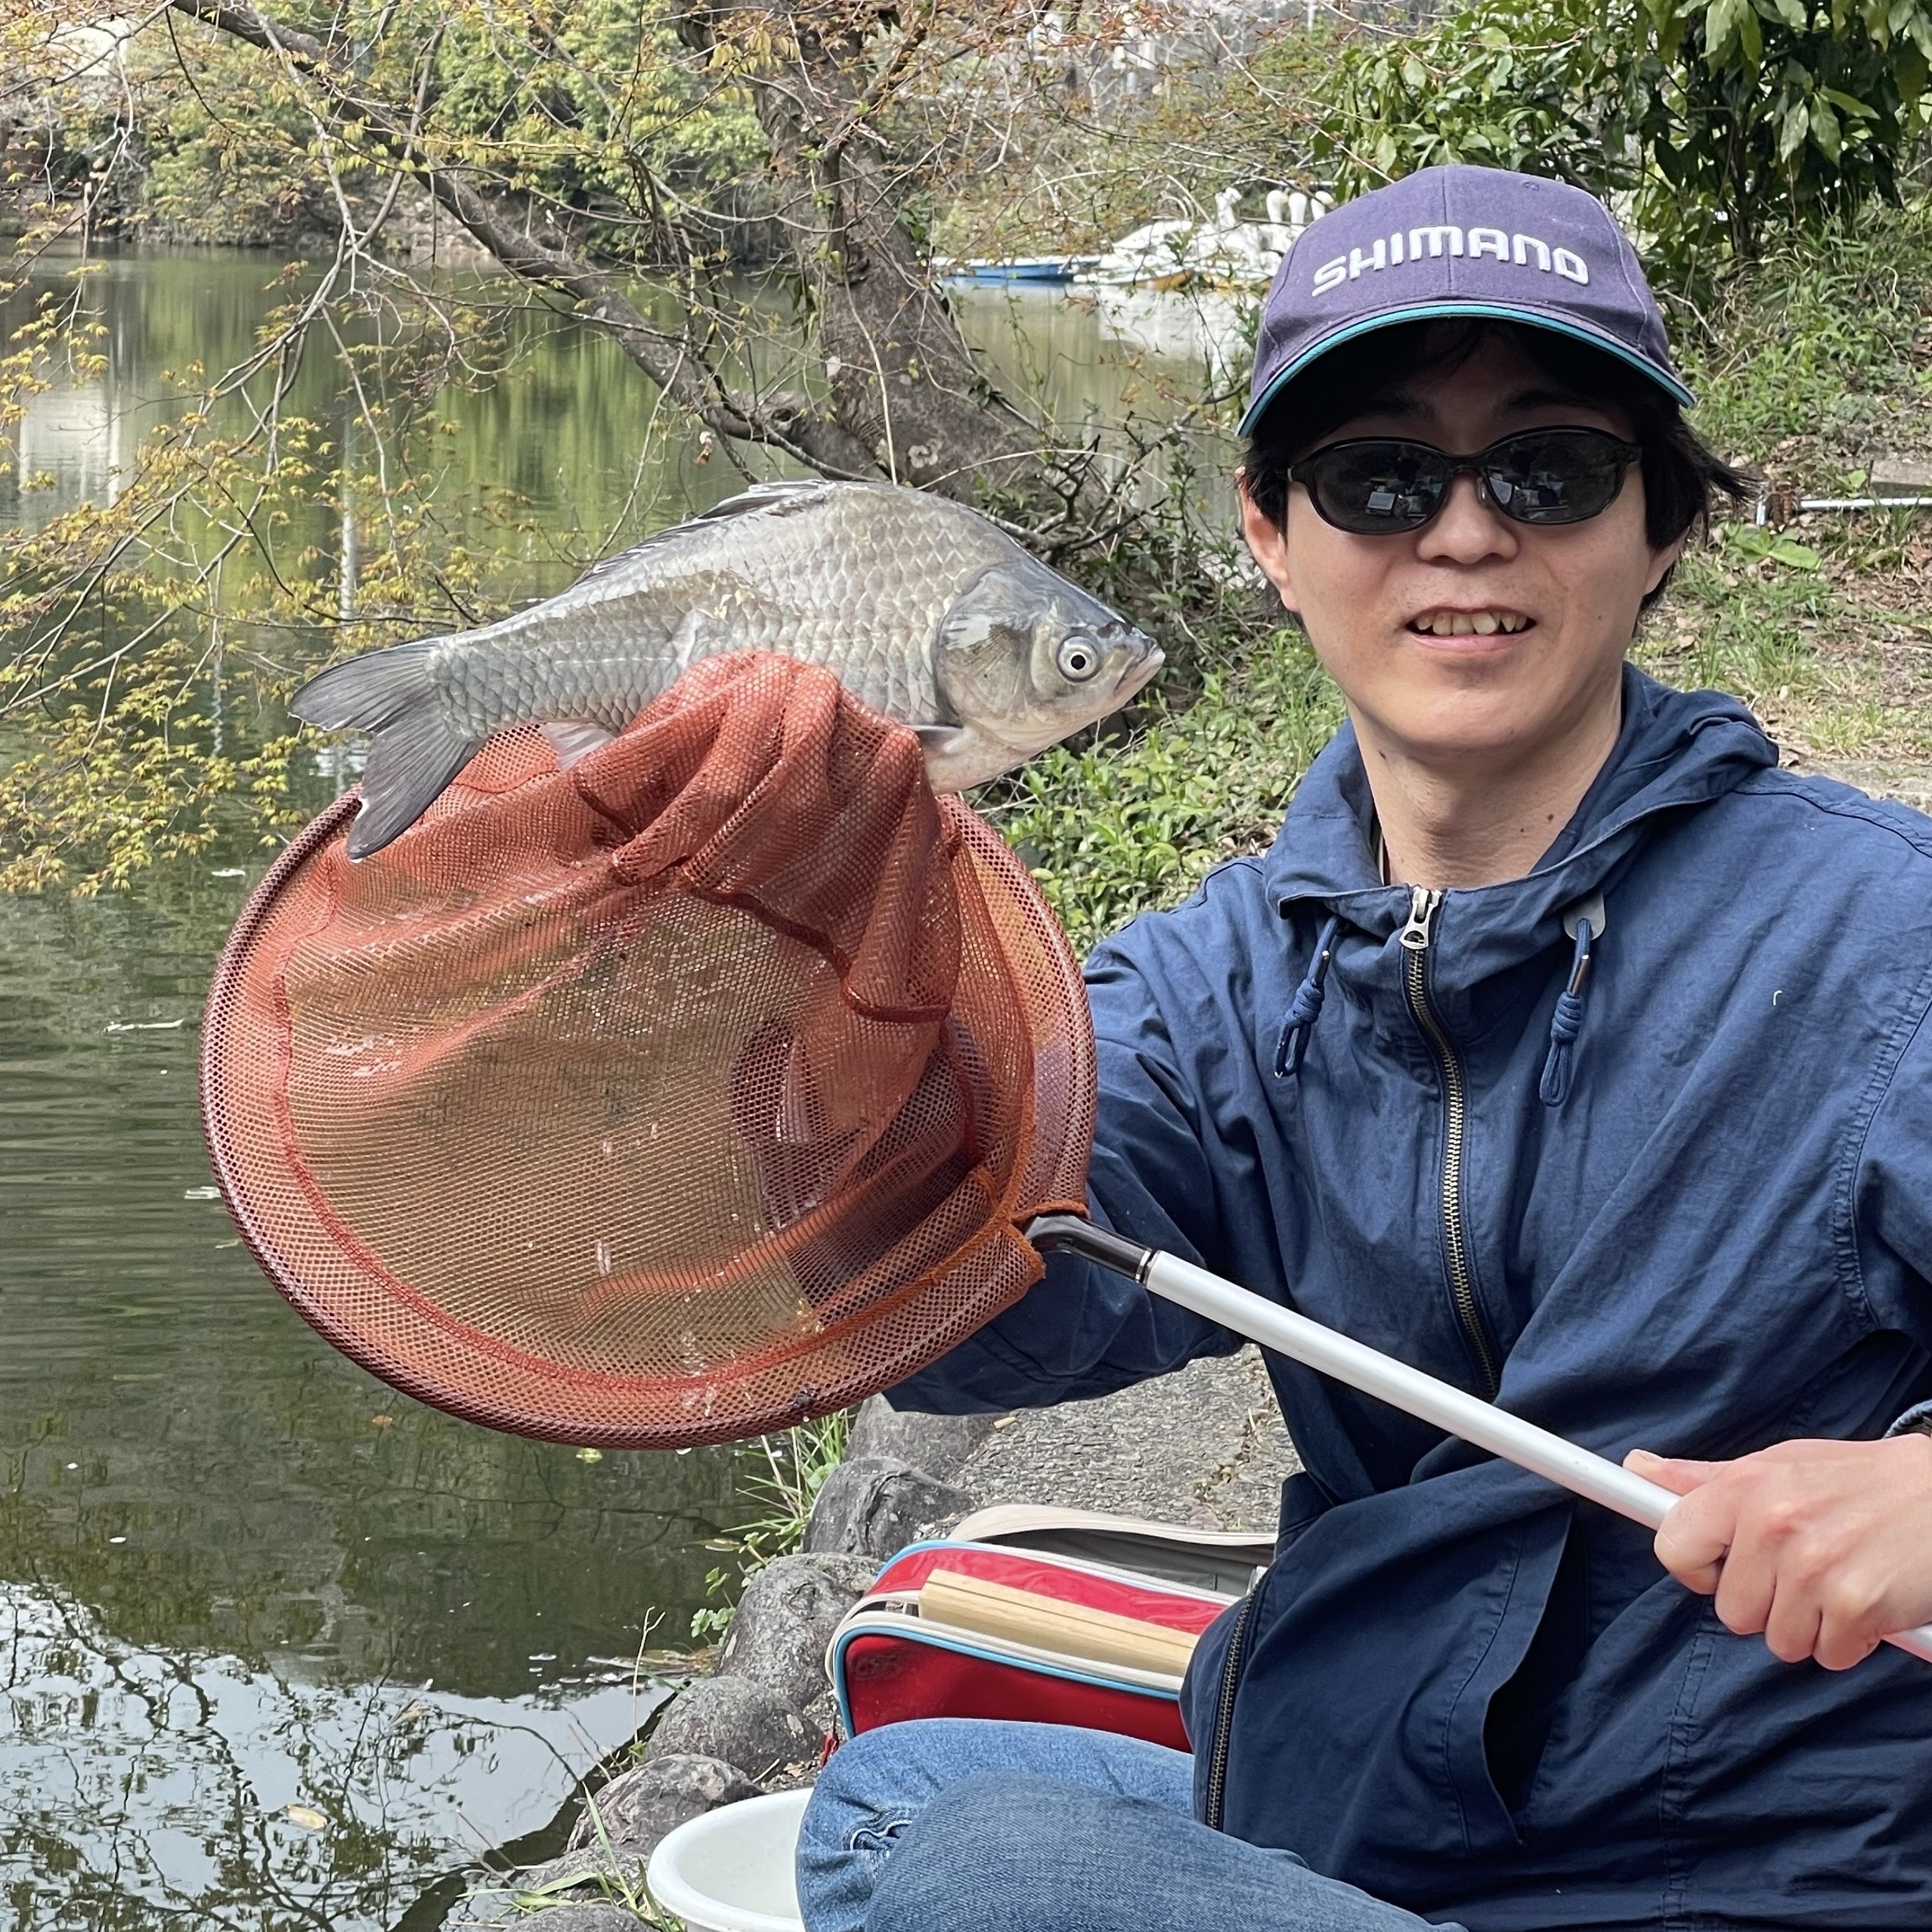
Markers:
1826,1547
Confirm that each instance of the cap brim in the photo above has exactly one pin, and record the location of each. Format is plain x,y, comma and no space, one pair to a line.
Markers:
1430,311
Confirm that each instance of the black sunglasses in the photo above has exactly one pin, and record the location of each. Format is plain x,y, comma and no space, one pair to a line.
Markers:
1383,485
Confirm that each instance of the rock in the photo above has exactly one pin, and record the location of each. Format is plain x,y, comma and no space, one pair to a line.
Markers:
786,1618
1206,1446
872,1506
938,1444
587,1918
649,1801
1900,473
592,1866
739,1720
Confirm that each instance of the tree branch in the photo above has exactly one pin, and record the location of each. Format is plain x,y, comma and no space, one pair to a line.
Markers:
541,255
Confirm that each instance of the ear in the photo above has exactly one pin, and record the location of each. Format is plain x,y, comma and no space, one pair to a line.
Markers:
1268,545
1661,561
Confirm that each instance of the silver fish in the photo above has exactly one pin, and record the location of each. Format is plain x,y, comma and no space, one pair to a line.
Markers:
925,609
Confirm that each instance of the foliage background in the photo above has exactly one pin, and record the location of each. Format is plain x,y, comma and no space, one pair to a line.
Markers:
1770,154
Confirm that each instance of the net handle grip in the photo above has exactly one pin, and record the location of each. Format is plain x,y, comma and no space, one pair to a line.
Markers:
1314,1346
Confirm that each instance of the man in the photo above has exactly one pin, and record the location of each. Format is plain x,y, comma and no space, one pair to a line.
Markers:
1563,1046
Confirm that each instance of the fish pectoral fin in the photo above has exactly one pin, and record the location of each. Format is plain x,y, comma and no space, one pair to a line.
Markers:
954,755
575,739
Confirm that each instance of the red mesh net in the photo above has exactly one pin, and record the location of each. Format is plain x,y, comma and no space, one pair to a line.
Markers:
671,1099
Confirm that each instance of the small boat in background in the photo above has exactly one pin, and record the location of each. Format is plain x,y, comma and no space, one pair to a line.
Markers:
1223,253
1013,268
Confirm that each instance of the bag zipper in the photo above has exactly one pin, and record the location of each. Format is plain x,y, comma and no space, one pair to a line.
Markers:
1224,1714
1415,938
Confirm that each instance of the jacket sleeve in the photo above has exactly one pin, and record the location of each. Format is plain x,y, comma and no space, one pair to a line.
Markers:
1082,1330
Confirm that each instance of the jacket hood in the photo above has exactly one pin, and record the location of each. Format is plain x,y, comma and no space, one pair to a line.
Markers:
1677,750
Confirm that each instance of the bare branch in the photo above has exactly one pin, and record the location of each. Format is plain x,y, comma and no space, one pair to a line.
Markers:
539,254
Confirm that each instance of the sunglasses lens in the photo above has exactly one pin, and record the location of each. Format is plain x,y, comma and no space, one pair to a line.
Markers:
1555,476
1373,487
1380,486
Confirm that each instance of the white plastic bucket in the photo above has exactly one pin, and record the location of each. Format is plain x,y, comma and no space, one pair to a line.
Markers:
730,1870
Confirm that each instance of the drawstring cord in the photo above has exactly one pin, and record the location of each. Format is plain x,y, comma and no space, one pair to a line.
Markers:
1566,1023
1305,1009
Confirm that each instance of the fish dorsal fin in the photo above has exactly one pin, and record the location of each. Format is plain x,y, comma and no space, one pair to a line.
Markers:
776,497
762,499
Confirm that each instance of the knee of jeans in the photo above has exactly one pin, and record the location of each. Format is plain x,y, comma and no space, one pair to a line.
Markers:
868,1791
1005,1854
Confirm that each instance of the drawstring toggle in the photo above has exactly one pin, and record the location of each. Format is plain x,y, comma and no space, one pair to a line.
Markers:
1305,1007
1583,922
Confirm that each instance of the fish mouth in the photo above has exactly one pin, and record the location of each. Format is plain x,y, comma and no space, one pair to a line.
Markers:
1139,673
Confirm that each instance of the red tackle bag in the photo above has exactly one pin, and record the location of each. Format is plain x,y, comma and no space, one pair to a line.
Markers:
1039,1616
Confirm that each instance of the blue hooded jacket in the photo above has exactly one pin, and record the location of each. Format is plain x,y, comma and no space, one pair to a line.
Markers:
1680,1199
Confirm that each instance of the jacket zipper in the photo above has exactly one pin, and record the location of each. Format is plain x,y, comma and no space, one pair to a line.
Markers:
1224,1715
1415,936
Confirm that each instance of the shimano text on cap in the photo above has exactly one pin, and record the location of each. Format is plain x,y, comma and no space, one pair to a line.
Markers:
1458,241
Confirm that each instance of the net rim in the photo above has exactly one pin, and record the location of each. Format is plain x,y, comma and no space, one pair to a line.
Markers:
999,870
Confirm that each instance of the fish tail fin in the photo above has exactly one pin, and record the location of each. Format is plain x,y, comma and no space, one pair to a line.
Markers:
370,691
417,751
412,760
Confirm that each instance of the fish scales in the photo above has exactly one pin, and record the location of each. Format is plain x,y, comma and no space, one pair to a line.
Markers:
922,608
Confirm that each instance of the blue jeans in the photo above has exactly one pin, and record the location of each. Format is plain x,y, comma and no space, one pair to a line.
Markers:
956,1824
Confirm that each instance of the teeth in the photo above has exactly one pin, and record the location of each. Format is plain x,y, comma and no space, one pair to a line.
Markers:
1466,623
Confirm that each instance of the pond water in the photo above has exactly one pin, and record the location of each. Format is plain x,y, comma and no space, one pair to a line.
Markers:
236,1573
281,1647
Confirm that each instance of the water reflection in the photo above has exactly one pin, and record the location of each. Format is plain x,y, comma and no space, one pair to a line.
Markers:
572,428
225,1552
152,1786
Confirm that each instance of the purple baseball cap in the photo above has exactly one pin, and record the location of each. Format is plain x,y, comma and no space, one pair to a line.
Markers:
1459,241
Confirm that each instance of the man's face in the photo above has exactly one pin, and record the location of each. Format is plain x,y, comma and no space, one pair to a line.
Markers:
1376,607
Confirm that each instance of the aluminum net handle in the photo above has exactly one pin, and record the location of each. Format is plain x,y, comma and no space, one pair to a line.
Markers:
1314,1346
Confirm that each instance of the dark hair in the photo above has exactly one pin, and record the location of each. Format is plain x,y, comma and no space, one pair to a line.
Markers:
1680,475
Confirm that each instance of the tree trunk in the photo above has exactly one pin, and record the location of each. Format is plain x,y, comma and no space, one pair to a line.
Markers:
902,379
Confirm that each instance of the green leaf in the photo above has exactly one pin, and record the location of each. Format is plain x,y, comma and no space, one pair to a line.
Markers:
1826,135
1761,546
1793,128
1750,35
1909,70
1415,75
1849,104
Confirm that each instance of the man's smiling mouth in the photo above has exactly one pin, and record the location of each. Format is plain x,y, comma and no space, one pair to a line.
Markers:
1484,623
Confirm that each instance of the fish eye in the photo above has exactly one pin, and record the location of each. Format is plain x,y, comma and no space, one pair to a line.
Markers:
1079,657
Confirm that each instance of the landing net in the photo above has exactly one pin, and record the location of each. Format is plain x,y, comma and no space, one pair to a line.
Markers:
675,1097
